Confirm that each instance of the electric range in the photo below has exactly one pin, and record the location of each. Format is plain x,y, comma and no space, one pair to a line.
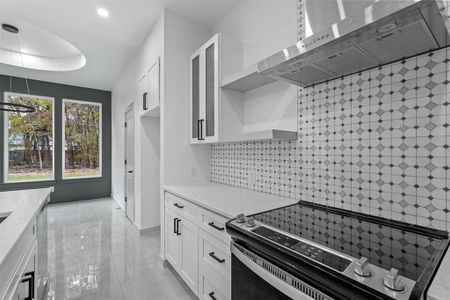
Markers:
311,251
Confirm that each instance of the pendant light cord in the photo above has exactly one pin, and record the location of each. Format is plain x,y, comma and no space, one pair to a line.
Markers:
23,65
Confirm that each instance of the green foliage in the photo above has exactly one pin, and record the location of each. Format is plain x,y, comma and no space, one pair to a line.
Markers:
30,138
31,134
82,127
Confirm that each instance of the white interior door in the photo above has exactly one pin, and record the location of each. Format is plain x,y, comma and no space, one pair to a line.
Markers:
129,164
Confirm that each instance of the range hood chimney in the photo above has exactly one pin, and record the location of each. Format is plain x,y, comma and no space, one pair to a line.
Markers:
387,31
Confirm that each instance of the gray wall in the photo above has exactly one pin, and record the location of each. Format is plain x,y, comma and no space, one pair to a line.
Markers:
73,189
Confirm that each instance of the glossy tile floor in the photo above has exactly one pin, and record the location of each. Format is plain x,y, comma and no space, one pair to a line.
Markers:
95,253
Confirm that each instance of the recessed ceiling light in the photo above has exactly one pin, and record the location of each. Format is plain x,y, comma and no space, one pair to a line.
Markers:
102,12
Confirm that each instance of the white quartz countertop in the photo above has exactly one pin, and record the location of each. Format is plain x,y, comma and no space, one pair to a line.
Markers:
20,207
228,201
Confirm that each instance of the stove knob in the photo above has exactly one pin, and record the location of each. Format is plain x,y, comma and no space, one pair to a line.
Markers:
251,222
362,268
240,218
393,282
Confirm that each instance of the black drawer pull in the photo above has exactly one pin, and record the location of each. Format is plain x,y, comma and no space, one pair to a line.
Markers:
220,260
178,205
211,295
215,226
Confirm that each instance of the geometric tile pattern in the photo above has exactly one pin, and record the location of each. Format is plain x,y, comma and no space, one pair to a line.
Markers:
376,142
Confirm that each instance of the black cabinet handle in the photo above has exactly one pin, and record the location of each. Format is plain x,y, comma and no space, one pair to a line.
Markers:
178,205
198,130
201,129
215,226
175,225
211,295
178,227
130,172
144,101
29,277
220,260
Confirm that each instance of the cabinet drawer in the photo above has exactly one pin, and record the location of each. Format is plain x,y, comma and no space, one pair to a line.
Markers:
215,255
215,225
213,287
183,207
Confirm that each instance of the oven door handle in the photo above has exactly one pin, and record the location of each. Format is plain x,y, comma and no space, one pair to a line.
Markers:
281,285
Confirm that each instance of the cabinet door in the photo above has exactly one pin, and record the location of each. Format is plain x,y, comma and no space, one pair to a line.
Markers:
143,92
209,122
153,85
195,97
173,240
189,269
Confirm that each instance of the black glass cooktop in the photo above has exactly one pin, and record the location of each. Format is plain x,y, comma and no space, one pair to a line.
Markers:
385,244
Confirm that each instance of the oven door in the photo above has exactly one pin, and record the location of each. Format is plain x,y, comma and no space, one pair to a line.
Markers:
254,277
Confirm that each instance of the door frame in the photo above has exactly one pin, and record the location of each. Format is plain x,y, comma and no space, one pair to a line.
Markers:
128,108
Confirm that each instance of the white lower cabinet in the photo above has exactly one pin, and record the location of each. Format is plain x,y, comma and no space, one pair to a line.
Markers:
198,248
173,240
189,260
212,287
182,247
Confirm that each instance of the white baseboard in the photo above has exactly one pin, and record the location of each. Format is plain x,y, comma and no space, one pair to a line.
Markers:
117,201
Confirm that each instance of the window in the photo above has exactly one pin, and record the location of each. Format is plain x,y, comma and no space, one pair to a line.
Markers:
82,139
29,140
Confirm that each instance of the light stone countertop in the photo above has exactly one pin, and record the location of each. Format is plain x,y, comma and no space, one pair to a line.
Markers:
228,201
20,207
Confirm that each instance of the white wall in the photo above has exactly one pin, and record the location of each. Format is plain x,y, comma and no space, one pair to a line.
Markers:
182,38
147,133
264,27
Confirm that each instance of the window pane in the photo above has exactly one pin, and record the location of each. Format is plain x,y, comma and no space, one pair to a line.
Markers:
30,139
82,139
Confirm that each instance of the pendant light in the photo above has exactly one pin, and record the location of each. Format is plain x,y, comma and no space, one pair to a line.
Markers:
13,107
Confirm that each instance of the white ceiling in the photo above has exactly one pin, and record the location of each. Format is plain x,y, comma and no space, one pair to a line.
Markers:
108,43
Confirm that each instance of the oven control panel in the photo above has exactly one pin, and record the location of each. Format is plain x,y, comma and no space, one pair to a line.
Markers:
312,252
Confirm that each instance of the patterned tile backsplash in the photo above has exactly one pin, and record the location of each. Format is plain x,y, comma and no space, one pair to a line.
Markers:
375,142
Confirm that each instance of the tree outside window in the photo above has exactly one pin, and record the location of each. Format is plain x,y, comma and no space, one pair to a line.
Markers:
82,139
29,151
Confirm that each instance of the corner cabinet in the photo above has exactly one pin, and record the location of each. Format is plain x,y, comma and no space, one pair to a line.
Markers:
204,93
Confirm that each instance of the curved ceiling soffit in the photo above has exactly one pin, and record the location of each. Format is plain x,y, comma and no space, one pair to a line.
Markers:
38,49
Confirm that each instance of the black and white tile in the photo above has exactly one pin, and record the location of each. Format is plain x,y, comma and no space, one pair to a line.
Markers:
376,142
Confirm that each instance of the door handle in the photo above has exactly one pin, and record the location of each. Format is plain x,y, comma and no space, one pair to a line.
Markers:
175,225
178,205
178,227
219,260
215,226
211,295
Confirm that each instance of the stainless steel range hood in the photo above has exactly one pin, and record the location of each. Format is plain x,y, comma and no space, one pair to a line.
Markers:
385,32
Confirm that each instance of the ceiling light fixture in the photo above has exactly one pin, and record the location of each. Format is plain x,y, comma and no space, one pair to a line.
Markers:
14,107
102,12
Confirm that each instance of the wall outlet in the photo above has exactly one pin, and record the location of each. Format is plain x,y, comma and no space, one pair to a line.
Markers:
194,171
252,176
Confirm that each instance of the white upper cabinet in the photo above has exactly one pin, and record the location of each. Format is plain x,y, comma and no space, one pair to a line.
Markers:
231,102
149,90
204,93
